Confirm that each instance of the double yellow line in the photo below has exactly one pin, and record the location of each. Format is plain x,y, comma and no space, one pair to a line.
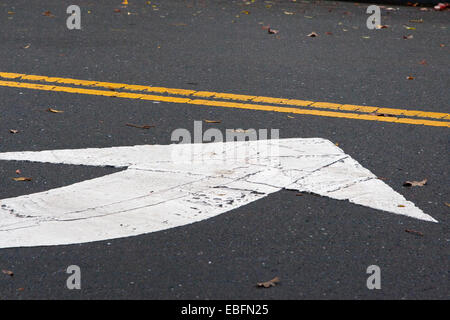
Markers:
227,100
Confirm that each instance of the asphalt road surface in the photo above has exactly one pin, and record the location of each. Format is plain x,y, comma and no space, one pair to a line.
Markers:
320,248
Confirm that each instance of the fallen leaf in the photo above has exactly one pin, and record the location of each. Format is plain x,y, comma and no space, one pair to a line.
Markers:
27,46
381,26
18,171
139,127
312,34
54,110
447,204
423,62
408,37
288,12
14,131
328,33
442,45
401,206
414,232
270,283
11,12
424,9
366,37
272,31
47,14
415,183
22,179
212,121
20,289
299,194
291,117
409,78
416,20
116,10
245,12
8,272
441,6
410,28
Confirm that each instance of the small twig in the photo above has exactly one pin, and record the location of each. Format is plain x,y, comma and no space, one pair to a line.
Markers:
414,232
140,127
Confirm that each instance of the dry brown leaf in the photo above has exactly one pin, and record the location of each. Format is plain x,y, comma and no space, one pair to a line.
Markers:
442,45
22,179
47,14
288,12
409,78
415,183
381,26
312,34
139,127
328,33
423,62
54,110
27,46
272,31
18,171
8,272
414,232
14,131
299,194
270,283
416,20
212,121
447,204
408,37
401,206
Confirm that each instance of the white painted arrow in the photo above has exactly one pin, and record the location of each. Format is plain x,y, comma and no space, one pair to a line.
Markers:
163,187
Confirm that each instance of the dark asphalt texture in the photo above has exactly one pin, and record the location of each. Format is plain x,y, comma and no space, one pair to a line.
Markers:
318,247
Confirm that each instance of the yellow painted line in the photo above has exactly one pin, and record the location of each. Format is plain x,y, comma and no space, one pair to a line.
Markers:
226,104
230,96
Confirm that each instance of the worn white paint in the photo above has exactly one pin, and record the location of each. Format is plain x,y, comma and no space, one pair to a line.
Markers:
163,187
